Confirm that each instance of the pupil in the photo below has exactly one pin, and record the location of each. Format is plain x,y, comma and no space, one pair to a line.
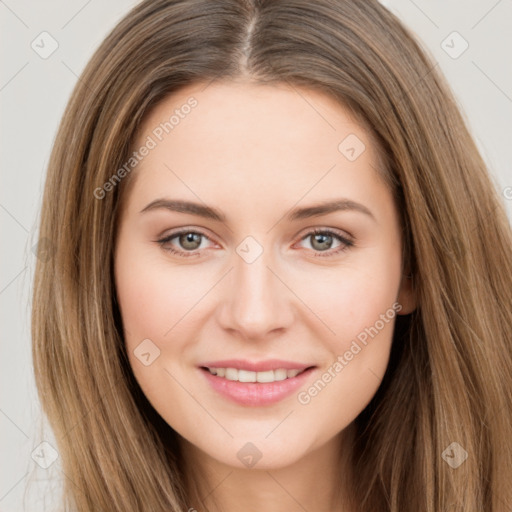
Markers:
190,240
323,239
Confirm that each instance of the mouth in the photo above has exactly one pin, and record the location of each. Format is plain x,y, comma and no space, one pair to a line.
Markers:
255,384
238,375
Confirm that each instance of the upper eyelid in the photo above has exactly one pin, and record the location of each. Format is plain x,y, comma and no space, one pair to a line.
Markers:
170,236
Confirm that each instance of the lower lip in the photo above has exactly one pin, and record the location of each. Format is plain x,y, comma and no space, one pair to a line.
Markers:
256,393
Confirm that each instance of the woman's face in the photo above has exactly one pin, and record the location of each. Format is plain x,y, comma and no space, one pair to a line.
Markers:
258,240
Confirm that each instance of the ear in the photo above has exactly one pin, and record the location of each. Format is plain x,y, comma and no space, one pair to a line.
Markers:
407,294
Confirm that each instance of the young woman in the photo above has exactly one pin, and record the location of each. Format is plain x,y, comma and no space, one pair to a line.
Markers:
281,275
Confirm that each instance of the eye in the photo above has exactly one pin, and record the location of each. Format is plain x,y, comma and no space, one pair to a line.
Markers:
189,241
322,240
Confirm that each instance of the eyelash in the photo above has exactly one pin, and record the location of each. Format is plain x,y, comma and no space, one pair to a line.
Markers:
345,242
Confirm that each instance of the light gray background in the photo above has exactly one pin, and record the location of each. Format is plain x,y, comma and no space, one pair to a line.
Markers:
33,94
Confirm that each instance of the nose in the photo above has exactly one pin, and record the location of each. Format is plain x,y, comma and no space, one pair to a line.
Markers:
257,302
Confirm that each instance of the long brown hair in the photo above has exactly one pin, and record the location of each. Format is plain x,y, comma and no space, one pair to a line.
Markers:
450,375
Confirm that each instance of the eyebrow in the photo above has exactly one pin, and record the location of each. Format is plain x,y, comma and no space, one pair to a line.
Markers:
209,212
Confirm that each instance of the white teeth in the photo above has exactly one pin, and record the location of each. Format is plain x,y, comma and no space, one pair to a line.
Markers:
248,376
231,374
267,376
280,374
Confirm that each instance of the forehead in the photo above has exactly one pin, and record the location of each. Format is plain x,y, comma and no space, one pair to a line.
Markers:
246,117
242,142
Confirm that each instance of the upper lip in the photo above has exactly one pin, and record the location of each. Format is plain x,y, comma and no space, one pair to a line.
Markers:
256,366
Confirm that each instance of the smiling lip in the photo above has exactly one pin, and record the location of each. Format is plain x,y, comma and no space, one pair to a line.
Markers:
256,393
252,366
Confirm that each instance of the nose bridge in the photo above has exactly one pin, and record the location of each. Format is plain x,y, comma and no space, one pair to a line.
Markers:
257,301
253,282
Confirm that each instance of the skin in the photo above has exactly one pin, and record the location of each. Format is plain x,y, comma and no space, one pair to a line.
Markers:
255,152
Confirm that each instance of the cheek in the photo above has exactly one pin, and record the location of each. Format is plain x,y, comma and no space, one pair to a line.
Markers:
352,297
360,307
358,302
153,299
156,304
